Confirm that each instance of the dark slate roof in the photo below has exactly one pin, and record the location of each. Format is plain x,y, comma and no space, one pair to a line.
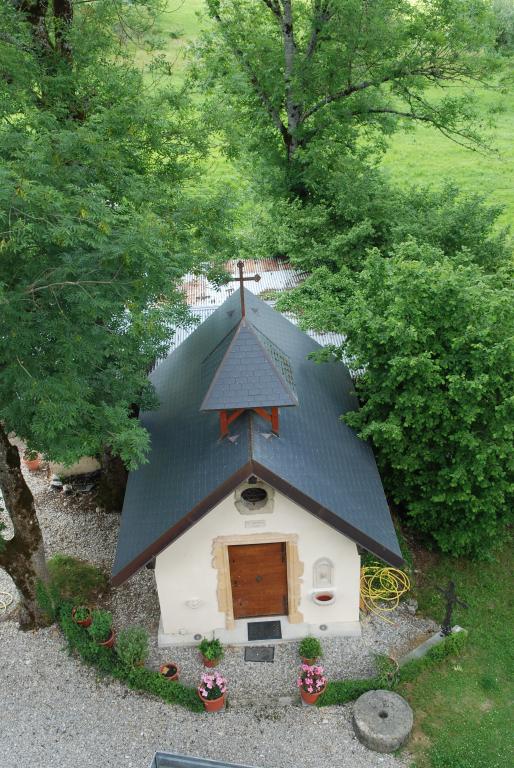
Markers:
253,372
317,460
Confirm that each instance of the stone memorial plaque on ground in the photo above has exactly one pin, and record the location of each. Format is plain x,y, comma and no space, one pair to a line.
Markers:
260,653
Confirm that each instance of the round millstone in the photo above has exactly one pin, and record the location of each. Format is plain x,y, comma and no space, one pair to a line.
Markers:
382,720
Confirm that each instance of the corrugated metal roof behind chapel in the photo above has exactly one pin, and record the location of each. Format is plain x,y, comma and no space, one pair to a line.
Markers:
276,275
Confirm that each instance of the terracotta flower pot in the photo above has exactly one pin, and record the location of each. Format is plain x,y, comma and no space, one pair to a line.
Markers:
81,622
32,464
210,662
311,698
309,662
169,671
213,705
110,640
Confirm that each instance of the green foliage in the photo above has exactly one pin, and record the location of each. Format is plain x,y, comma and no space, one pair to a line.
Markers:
307,120
351,71
132,646
99,212
358,209
100,629
405,550
211,649
342,691
76,580
504,25
431,337
82,613
107,661
310,648
48,597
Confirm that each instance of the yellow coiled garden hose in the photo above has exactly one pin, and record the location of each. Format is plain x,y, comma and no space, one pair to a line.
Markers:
5,600
382,588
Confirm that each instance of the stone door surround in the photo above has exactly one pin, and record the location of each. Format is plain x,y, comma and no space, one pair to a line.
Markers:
220,562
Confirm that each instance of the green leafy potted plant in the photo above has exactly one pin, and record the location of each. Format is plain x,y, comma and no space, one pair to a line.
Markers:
311,682
32,460
212,652
212,690
132,646
170,671
82,615
101,630
310,649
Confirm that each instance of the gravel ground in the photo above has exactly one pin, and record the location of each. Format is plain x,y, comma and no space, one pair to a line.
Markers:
56,712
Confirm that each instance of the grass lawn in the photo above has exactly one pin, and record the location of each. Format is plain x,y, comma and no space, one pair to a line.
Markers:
463,707
176,26
425,156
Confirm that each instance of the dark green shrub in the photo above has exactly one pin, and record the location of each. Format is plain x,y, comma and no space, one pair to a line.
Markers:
430,334
341,691
108,662
150,681
310,648
211,649
132,646
48,598
75,580
100,629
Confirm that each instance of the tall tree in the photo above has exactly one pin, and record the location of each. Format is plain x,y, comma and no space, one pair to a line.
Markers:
314,80
430,338
98,222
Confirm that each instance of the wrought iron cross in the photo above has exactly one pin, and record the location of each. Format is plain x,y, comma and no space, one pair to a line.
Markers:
241,279
451,601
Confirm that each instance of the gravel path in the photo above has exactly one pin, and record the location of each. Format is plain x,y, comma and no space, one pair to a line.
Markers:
57,712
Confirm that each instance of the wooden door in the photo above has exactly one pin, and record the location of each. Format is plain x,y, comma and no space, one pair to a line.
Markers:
258,574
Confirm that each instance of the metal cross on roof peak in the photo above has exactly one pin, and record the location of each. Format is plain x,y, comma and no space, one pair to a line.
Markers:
241,279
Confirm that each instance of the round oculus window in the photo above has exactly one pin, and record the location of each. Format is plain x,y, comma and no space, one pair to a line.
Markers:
253,496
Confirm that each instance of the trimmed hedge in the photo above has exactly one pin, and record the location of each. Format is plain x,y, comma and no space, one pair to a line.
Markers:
343,691
107,661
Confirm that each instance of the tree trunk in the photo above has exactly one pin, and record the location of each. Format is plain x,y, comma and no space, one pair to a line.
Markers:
293,109
63,15
35,12
23,556
113,482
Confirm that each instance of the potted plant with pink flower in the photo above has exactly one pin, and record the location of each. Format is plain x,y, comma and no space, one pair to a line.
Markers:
311,682
212,691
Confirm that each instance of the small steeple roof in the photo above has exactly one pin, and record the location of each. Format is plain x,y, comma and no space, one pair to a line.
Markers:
253,372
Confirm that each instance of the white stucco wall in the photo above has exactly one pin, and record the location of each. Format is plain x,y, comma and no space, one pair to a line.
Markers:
187,581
